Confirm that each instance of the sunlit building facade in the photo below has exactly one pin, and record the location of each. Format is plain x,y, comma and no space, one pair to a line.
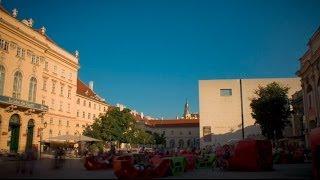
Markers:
39,87
223,103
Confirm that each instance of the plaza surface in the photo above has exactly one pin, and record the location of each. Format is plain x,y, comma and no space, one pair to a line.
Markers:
74,169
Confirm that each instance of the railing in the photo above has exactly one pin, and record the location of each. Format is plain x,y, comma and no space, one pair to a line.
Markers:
22,103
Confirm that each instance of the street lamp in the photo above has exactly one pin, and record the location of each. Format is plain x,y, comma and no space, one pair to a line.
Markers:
41,134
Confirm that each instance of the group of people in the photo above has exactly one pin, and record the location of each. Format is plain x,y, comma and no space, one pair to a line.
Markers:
26,161
285,152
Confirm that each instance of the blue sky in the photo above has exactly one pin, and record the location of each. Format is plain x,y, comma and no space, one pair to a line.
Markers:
150,54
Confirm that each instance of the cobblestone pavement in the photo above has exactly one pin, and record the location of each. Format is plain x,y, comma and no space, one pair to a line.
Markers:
74,169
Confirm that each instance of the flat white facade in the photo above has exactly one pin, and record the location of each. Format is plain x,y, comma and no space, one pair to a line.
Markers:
220,107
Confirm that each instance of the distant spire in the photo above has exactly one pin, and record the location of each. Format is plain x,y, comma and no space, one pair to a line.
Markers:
186,112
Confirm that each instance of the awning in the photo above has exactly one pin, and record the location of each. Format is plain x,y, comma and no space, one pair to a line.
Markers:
72,138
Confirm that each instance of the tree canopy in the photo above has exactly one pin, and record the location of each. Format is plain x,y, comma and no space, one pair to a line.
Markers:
271,109
118,126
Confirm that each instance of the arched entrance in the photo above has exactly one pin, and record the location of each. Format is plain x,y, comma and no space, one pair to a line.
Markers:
30,130
181,143
14,127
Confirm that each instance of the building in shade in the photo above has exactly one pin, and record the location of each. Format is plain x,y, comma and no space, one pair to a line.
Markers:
223,103
180,132
39,86
310,81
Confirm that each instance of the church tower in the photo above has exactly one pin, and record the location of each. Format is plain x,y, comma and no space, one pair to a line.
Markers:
186,113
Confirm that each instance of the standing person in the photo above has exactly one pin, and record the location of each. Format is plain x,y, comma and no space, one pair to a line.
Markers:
30,159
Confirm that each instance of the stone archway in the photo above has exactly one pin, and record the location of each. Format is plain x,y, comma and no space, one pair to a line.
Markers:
30,132
14,128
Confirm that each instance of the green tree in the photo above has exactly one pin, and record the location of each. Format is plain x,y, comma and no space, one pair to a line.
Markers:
114,126
120,127
159,139
271,109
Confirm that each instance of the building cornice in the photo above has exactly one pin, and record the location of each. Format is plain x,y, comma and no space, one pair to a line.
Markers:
30,35
91,99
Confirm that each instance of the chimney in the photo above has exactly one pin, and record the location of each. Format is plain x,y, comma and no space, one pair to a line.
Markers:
91,85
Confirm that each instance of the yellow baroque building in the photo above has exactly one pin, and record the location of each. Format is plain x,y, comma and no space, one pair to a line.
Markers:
40,92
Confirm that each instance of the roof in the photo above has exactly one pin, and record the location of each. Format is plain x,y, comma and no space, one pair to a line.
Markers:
173,123
84,90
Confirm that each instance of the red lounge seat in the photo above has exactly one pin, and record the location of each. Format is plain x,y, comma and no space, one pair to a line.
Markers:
314,139
124,169
252,155
191,161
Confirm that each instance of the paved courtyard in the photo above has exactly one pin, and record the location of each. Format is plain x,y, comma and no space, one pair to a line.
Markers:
74,169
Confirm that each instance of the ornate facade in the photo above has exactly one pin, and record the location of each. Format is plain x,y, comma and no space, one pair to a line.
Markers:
39,86
310,81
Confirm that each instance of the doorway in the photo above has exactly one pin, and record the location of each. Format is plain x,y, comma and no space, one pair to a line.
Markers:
14,127
30,130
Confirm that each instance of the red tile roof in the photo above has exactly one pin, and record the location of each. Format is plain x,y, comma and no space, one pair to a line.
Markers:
84,90
173,123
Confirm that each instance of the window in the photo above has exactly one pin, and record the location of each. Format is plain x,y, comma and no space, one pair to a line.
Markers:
84,102
52,104
62,73
53,90
32,89
78,113
225,92
94,106
89,115
78,101
43,102
51,120
46,65
55,69
83,114
61,89
35,59
44,85
69,92
67,123
61,106
2,76
69,76
68,108
17,83
4,45
60,122
89,104
20,52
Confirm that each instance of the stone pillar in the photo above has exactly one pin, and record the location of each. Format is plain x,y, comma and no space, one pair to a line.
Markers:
4,126
23,132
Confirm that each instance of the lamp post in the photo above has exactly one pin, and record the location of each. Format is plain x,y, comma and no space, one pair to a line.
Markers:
41,134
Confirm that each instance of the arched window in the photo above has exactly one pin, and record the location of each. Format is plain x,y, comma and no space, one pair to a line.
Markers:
32,89
2,75
17,83
172,143
181,143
